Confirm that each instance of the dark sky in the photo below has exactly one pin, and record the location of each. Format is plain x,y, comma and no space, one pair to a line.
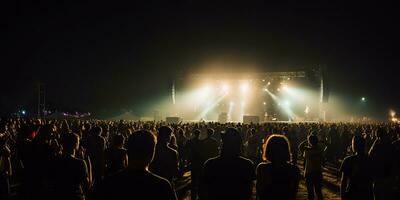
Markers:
107,56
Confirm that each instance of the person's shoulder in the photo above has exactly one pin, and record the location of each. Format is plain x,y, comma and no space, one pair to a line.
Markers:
171,150
158,179
263,166
245,160
212,161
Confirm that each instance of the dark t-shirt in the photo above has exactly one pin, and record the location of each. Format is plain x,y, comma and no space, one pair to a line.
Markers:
165,162
277,181
115,159
71,174
228,178
129,184
358,169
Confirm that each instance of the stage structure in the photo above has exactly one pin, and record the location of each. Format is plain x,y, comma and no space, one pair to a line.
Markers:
232,96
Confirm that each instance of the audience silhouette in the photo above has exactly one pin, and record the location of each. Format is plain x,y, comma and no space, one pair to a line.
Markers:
356,172
313,158
228,176
277,178
136,180
165,162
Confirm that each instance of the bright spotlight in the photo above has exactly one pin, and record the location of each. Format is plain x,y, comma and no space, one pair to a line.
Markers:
264,103
266,89
284,87
392,113
363,99
204,92
244,87
225,88
269,83
287,103
23,112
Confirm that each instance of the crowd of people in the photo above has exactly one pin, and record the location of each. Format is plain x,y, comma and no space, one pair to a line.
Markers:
98,159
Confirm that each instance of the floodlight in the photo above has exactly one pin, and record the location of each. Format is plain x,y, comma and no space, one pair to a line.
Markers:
225,88
244,87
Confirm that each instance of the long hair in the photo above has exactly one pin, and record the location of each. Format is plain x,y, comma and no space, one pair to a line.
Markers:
277,149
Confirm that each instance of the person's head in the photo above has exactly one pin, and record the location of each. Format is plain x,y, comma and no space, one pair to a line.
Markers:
210,132
164,134
358,144
70,142
118,141
44,133
277,149
312,140
231,142
196,133
381,133
97,130
140,148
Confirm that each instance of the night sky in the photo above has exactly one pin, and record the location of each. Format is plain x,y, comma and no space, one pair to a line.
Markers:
104,57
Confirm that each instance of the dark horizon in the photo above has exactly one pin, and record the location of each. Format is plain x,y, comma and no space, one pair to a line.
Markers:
95,57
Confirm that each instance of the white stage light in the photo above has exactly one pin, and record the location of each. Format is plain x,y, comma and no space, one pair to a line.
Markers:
225,88
244,87
264,103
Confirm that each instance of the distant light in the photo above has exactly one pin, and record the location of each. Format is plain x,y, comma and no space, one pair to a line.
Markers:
307,110
288,78
265,103
263,80
284,87
269,83
363,99
225,88
23,112
204,92
279,89
287,103
266,89
392,113
244,87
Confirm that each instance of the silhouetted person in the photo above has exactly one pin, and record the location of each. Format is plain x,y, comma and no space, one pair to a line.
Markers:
383,162
396,146
356,173
277,178
313,158
165,162
72,174
253,146
228,176
96,146
293,141
5,166
209,147
116,155
43,157
196,164
136,181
